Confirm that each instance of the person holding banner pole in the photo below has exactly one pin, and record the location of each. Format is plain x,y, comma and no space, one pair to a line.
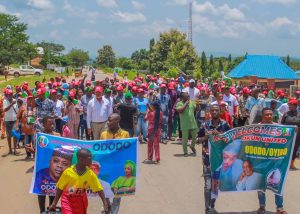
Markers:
267,118
48,124
78,178
292,117
214,126
114,132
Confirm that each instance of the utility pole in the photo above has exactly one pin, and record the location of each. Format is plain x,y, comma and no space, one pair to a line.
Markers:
190,22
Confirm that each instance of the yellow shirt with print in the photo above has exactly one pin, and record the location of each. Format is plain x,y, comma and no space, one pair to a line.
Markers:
73,184
107,135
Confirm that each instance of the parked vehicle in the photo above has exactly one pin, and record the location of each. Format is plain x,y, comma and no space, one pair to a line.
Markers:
25,70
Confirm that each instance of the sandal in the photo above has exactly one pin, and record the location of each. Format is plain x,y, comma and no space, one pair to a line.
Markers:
281,212
261,210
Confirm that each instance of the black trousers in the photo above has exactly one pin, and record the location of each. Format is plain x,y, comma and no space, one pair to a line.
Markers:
42,202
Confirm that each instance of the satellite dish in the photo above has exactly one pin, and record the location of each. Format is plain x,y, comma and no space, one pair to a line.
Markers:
40,50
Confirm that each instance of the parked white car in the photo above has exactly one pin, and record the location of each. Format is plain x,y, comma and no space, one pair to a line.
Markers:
25,70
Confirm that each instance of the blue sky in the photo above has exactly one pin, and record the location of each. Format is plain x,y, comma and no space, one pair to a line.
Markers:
235,26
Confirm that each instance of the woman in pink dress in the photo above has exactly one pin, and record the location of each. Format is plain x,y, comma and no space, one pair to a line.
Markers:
154,117
73,111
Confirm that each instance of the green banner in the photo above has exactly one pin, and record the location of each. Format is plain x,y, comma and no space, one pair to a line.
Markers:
248,158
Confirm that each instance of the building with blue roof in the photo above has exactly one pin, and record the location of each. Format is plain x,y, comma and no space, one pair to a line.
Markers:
264,69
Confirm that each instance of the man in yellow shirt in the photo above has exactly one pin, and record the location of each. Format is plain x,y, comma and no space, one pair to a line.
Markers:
73,184
114,132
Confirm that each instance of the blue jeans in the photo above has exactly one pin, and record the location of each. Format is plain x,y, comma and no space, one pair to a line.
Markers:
142,125
164,133
262,199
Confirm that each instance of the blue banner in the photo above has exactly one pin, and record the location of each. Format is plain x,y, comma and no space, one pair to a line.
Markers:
114,161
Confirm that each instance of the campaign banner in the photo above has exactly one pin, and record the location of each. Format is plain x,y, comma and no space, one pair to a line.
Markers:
113,161
249,158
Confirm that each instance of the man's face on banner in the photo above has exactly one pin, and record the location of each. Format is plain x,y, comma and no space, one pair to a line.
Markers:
228,160
58,166
247,168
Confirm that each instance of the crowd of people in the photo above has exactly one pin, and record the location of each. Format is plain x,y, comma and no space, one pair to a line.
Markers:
152,108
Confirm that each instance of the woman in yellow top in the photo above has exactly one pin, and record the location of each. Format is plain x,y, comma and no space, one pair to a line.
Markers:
73,184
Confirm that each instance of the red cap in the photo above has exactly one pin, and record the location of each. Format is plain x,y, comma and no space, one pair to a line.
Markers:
279,92
246,90
17,87
76,84
120,88
298,92
39,91
293,101
140,90
71,94
134,88
163,85
99,89
8,91
53,91
49,83
171,86
25,83
29,96
25,87
88,82
281,95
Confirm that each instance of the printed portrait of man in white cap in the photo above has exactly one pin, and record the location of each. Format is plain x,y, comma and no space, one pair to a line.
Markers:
231,167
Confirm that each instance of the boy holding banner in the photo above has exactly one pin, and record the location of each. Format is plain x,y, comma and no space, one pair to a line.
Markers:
73,184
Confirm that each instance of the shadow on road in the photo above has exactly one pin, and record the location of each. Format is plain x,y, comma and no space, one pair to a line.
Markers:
182,155
253,212
176,143
30,170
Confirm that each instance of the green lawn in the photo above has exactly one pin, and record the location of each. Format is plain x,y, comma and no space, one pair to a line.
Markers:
30,79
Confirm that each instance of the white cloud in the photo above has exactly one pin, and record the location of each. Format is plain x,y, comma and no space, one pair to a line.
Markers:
206,7
88,34
179,2
129,17
137,5
224,10
280,21
284,2
3,9
170,21
89,16
107,3
41,4
231,13
58,21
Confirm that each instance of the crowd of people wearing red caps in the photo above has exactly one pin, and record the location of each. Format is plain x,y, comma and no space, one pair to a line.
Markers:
77,114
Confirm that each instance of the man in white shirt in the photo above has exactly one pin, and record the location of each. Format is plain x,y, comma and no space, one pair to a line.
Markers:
98,111
10,108
192,91
59,109
231,101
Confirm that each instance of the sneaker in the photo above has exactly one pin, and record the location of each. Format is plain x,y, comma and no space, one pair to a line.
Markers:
185,155
145,139
261,210
193,150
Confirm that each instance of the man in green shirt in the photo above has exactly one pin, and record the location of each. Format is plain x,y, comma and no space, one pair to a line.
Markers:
186,110
276,115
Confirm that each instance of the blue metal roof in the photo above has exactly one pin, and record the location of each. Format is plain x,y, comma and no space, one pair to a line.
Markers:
263,66
297,72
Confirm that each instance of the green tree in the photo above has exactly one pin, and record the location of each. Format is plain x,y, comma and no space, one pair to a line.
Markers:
140,55
52,52
288,60
173,50
125,63
204,64
14,42
151,45
221,67
211,65
78,57
106,56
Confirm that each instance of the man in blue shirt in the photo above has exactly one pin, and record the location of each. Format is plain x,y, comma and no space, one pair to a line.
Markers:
142,104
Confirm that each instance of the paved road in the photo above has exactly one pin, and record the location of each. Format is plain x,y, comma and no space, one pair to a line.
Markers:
173,187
